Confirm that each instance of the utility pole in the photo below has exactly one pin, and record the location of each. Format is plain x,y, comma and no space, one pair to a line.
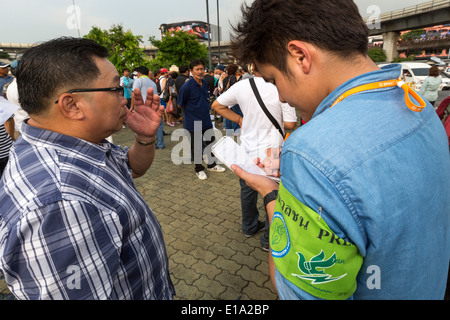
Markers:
209,33
75,12
218,30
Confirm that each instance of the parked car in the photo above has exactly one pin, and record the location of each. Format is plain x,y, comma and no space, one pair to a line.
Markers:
447,71
414,73
445,81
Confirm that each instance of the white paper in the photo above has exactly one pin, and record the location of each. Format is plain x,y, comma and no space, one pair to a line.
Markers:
7,109
229,153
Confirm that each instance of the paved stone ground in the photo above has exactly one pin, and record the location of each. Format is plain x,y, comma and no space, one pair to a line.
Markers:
209,256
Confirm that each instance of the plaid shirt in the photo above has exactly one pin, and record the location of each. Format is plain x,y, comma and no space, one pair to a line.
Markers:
73,225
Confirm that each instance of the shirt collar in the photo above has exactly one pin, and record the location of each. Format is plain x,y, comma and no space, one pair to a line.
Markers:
198,84
389,72
95,153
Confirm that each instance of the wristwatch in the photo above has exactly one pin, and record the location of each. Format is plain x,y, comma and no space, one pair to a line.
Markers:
270,197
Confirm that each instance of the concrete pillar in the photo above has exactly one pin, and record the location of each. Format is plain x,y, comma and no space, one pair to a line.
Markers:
390,45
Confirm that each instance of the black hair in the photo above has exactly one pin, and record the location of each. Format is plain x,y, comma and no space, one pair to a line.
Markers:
269,25
196,62
183,68
142,70
53,66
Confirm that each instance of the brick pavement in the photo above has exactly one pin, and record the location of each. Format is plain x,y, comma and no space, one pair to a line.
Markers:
209,256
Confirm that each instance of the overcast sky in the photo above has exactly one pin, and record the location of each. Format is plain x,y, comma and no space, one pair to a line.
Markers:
33,21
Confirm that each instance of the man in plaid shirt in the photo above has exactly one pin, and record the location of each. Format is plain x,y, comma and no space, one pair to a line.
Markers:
72,224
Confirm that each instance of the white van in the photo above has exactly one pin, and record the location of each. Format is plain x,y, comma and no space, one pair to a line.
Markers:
447,70
413,73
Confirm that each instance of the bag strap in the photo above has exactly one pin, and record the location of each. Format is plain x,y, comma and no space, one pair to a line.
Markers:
263,107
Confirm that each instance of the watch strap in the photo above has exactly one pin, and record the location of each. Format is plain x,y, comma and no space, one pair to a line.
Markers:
270,197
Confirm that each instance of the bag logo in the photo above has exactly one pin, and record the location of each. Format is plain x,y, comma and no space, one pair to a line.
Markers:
311,268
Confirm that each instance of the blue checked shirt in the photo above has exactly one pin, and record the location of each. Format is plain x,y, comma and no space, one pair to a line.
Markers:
73,225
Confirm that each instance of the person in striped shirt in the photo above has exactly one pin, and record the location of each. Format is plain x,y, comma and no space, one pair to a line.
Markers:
72,224
5,145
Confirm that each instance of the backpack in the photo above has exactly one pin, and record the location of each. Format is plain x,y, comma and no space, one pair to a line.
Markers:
447,130
173,91
158,86
443,110
166,93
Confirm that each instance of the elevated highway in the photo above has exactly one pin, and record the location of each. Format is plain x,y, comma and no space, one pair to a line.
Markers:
390,24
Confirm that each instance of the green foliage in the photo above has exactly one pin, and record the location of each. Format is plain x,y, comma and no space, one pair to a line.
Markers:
177,48
123,46
377,55
4,55
398,59
413,34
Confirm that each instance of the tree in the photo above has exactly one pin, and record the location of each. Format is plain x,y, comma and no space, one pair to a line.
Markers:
123,47
177,48
4,55
399,59
413,34
377,55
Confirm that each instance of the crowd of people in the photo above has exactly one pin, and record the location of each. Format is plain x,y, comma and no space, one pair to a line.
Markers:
360,209
178,104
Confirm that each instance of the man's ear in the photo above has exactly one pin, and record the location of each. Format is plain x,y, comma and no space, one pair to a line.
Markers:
71,107
301,53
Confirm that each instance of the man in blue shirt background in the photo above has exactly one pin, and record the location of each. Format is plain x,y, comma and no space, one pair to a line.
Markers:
143,82
127,83
4,75
193,97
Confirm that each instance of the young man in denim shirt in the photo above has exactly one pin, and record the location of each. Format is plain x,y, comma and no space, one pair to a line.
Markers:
363,209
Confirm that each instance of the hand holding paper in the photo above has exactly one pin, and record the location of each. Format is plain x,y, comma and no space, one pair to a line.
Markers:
7,109
230,153
271,164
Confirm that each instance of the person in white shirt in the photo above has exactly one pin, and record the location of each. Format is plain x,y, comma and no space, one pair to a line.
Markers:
257,135
12,95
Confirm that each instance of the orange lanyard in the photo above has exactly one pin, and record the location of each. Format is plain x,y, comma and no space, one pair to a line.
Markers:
386,84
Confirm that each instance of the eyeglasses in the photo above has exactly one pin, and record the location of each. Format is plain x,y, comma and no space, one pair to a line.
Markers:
113,89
